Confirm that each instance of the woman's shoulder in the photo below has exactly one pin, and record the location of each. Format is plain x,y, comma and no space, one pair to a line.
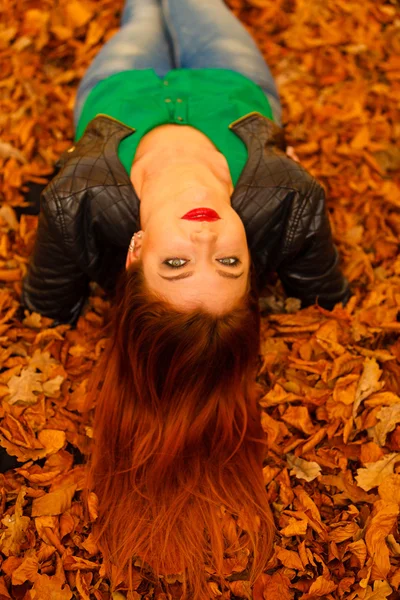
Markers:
92,194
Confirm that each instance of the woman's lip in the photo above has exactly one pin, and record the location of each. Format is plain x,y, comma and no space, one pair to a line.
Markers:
201,214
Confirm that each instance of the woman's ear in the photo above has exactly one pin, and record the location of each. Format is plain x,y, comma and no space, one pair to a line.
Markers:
135,254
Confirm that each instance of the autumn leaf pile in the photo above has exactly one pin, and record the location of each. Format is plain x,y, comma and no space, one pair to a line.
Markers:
331,406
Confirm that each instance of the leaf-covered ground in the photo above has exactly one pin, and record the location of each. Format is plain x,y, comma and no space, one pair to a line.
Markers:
332,379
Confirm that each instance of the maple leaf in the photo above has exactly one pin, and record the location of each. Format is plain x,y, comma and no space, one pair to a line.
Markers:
303,469
374,473
23,386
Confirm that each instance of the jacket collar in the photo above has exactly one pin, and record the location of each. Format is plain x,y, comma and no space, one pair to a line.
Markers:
254,129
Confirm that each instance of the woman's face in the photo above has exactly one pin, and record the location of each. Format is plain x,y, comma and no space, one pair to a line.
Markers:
212,256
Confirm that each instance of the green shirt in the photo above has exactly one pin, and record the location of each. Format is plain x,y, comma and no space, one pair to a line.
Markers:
207,99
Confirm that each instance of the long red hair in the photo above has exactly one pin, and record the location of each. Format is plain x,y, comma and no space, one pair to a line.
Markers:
178,438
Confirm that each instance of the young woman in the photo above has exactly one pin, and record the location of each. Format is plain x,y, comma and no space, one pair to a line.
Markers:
178,199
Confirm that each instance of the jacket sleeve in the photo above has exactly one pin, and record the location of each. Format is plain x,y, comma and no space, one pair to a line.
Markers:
54,285
310,271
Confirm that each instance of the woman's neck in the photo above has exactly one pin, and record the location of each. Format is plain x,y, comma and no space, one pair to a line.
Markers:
168,172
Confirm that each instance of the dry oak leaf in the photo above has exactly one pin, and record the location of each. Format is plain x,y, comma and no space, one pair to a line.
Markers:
12,538
383,398
350,490
52,440
343,531
4,595
320,587
303,469
272,587
27,570
388,417
359,550
278,395
295,527
51,387
384,517
82,586
370,453
374,473
23,386
289,559
389,489
32,320
299,417
275,430
76,563
54,503
380,591
369,382
42,524
51,588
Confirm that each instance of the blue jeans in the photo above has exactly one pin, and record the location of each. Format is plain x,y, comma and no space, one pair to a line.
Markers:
167,34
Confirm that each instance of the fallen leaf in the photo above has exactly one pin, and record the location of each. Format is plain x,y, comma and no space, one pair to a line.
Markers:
374,473
384,516
303,469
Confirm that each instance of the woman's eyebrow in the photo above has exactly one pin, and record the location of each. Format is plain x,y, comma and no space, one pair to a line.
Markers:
189,273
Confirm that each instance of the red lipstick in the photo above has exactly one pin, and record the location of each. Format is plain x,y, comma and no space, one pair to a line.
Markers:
201,214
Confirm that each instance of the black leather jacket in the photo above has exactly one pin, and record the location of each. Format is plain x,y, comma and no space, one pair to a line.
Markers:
90,211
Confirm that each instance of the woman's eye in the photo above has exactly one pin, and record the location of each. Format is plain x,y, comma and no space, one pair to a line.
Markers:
177,263
234,263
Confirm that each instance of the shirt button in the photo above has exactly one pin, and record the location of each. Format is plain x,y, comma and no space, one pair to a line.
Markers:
179,100
165,82
180,119
167,99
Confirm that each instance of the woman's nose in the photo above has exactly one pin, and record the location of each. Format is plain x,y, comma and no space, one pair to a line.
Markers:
203,234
